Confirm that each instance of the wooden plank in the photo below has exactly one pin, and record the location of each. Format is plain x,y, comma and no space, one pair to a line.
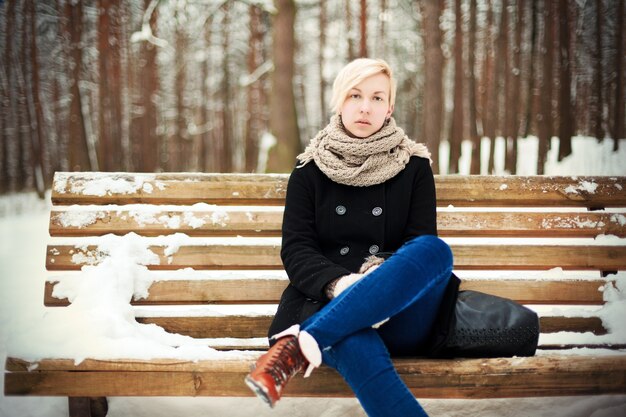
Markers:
239,326
591,192
548,375
506,257
268,291
268,223
171,188
266,189
257,223
530,224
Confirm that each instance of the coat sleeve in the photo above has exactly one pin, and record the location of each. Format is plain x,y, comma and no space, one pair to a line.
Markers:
307,268
423,209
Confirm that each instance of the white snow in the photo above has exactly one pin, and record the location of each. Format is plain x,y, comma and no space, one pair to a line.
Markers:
86,328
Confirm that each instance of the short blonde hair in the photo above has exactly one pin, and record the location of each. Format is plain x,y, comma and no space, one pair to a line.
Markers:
355,72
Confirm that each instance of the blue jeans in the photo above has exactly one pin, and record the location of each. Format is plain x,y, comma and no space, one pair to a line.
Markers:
407,288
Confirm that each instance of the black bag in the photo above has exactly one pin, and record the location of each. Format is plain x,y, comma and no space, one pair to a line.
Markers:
483,326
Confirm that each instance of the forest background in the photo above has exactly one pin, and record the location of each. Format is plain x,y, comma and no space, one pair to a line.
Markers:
242,85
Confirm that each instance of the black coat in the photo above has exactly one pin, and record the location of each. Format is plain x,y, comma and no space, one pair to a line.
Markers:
329,229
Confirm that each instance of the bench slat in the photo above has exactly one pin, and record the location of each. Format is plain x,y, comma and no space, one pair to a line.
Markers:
506,257
268,189
268,223
256,326
261,291
548,375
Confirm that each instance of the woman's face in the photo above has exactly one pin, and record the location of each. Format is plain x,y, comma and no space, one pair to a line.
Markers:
367,106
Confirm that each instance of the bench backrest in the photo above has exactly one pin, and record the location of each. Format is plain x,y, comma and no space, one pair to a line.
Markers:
525,238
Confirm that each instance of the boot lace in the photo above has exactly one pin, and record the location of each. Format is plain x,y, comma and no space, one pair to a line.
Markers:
285,363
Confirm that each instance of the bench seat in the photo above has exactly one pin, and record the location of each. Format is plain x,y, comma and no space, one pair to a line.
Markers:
552,243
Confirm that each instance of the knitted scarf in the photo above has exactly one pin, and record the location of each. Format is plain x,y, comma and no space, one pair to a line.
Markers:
361,162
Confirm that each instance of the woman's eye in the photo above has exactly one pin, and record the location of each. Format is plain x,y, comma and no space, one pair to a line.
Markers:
378,98
355,95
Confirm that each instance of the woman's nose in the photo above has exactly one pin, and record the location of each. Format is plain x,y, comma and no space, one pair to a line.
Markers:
365,106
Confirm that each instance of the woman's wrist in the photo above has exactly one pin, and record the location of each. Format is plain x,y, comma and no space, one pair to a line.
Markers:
330,288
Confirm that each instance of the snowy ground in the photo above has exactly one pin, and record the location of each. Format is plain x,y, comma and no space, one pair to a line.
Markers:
23,238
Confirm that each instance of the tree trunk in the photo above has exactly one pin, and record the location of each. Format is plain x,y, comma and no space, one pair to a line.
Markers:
24,116
207,147
349,37
531,89
77,147
322,21
620,84
489,86
40,173
283,117
598,110
494,109
513,88
433,77
456,133
544,115
567,122
226,153
516,95
473,116
382,41
110,111
363,29
144,139
254,123
9,132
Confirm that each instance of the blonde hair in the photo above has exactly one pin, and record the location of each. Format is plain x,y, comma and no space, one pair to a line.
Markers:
355,72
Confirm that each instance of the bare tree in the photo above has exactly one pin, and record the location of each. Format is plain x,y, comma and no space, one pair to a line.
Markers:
322,21
456,133
433,77
566,118
619,130
9,131
513,81
110,108
283,117
363,29
532,91
256,96
37,140
77,146
544,115
382,41
144,138
226,139
349,38
473,113
598,110
488,84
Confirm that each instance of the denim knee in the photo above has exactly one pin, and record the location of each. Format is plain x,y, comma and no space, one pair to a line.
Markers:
431,247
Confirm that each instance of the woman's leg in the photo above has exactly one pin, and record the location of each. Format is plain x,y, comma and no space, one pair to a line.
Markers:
363,361
420,267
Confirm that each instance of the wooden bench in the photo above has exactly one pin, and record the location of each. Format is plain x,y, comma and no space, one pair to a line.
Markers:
473,211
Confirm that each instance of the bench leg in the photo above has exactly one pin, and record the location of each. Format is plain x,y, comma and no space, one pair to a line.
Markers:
88,406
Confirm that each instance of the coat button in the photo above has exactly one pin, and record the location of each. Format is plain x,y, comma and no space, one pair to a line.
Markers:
340,210
377,211
374,249
344,251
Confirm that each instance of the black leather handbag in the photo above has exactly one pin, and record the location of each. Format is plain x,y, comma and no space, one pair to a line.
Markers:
482,326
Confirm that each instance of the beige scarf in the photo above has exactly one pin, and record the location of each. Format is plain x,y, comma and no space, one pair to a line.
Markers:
361,162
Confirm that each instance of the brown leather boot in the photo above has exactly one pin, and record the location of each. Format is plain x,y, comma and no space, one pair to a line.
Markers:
275,368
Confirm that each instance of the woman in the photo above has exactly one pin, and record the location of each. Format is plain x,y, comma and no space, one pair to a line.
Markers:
362,193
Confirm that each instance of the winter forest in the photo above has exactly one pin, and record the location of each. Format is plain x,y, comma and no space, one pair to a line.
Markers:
242,85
